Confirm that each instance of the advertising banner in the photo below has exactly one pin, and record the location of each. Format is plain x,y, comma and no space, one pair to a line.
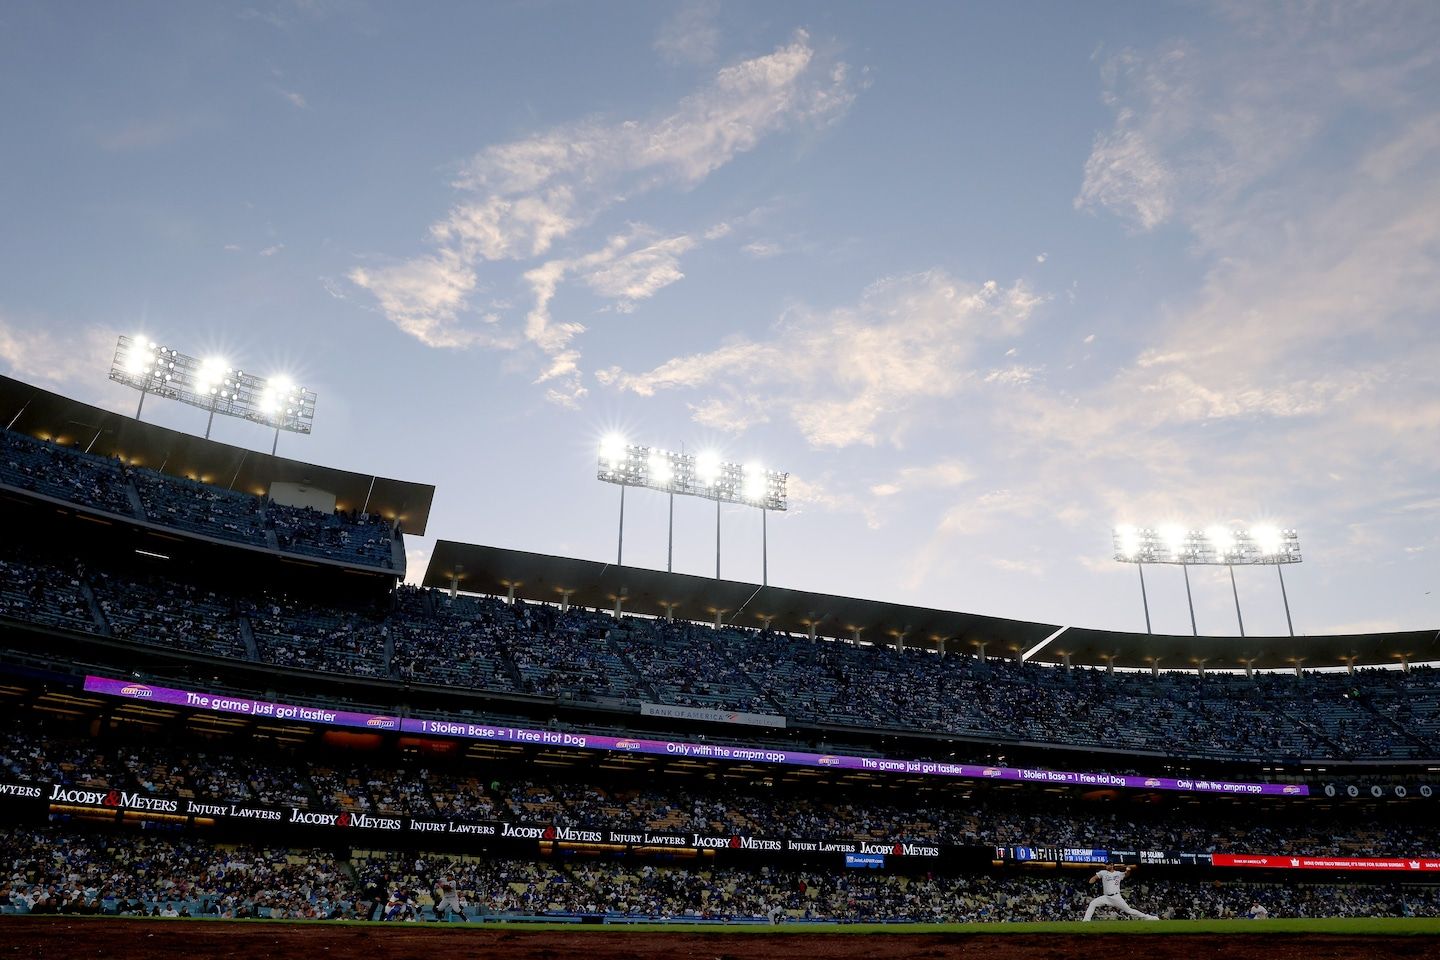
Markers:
467,729
1278,862
677,712
62,798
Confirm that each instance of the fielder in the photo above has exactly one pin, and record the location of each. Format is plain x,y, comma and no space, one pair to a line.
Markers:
1110,894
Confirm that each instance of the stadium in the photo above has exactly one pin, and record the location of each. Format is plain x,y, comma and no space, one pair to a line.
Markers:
717,480
220,701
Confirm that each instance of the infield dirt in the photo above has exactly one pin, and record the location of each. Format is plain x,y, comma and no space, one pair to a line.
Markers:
63,938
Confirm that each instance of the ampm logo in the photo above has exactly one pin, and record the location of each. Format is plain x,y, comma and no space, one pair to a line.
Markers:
990,772
383,723
137,690
1291,789
627,744
1152,782
829,761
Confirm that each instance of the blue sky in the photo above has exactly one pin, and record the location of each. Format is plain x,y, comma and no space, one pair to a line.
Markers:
985,279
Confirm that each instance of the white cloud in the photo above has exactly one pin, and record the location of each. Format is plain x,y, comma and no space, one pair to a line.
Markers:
729,415
1041,257
614,271
690,35
1012,376
941,475
1032,568
271,250
44,353
424,297
1125,174
846,375
806,494
762,249
538,190
417,559
1305,360
519,199
296,100
641,273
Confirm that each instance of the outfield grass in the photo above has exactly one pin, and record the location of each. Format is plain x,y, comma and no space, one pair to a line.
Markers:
1353,926
1350,926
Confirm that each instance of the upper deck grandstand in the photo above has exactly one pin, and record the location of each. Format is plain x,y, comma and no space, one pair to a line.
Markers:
531,632
117,569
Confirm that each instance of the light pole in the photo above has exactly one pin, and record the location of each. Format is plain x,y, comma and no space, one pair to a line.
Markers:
209,384
1194,630
620,543
1143,598
1236,591
1217,546
702,475
1288,622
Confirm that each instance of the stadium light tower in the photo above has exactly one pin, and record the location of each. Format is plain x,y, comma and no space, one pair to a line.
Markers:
1260,545
702,475
212,385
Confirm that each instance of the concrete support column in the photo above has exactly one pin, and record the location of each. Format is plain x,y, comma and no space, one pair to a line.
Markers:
454,587
855,635
1405,664
510,594
619,602
980,652
900,643
812,631
1250,669
1298,671
1065,659
669,612
565,600
1154,668
719,616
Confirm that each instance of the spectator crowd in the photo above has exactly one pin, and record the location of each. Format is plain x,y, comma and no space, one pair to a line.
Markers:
107,485
71,871
981,815
419,635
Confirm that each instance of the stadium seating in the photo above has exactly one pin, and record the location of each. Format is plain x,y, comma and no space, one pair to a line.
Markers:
106,485
504,791
55,471
79,872
585,656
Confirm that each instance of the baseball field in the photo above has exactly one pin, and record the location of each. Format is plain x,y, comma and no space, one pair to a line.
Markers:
58,938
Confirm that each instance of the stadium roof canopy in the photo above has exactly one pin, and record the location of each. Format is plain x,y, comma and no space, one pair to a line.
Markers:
49,416
473,568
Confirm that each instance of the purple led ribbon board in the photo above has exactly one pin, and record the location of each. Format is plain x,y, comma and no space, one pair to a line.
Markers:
245,706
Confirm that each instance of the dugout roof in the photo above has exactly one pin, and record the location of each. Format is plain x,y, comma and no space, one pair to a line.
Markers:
49,416
474,568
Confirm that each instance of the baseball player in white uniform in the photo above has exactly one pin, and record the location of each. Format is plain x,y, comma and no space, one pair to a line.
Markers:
1110,894
449,898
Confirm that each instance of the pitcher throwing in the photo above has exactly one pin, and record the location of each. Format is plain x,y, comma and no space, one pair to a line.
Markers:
1110,895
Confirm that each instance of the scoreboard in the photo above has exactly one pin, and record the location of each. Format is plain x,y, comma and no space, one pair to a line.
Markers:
1086,855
